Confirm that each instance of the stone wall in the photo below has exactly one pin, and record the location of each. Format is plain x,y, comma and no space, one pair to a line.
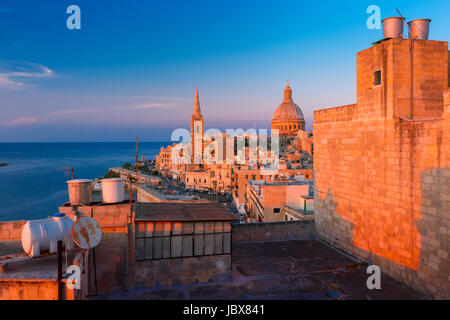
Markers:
33,289
11,230
273,231
175,271
382,181
113,266
107,215
17,289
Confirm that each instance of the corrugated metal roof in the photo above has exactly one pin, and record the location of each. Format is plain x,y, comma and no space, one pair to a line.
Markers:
159,211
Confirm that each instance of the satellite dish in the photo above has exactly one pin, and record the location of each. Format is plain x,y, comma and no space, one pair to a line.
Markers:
86,232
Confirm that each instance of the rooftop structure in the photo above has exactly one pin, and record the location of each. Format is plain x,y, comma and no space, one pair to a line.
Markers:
382,164
192,251
281,270
182,212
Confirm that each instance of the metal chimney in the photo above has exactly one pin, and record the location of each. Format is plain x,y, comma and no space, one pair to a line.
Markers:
419,29
393,27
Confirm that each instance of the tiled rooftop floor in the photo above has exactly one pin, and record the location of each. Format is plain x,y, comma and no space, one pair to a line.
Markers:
282,270
43,267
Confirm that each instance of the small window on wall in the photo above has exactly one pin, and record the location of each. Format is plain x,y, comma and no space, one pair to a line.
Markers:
377,78
276,210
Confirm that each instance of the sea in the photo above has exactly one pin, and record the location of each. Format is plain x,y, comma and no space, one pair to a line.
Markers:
32,185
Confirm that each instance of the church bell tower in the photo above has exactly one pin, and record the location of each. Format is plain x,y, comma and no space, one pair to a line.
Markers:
197,129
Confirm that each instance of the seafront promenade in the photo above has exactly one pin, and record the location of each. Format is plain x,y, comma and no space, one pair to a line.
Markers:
140,177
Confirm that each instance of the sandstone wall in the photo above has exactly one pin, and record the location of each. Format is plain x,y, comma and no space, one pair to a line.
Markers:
273,231
33,289
186,270
11,230
383,191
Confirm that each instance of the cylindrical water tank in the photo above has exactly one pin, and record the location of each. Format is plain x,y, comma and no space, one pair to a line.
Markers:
393,27
113,190
80,191
40,236
419,29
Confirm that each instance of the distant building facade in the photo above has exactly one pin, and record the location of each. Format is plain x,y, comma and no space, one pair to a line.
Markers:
280,200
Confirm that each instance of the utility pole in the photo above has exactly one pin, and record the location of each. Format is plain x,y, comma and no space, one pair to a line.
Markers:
67,171
137,172
137,157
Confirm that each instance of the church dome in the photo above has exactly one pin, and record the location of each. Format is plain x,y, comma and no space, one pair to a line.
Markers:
287,111
288,117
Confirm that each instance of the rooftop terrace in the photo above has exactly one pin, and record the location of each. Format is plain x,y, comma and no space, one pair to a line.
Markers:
305,269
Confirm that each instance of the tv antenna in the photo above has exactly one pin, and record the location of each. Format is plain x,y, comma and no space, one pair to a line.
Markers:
66,171
136,163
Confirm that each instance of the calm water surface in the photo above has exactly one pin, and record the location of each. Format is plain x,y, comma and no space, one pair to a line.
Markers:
30,186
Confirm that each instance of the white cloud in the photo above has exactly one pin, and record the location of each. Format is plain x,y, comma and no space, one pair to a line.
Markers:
151,105
12,75
74,111
21,121
121,108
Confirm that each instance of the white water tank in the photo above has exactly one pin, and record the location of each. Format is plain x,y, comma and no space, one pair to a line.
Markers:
40,236
113,190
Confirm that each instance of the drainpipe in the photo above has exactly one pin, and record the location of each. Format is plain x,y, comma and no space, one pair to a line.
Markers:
412,65
412,75
59,278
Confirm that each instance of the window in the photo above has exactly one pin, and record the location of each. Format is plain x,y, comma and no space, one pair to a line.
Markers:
165,240
276,210
377,78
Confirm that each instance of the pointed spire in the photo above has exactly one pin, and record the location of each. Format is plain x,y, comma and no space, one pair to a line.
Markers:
287,93
197,111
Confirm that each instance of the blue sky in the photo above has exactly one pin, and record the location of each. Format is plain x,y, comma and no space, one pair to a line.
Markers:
133,67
